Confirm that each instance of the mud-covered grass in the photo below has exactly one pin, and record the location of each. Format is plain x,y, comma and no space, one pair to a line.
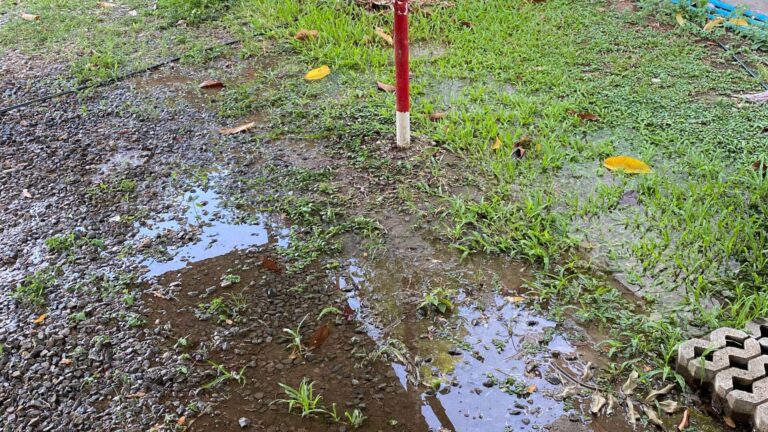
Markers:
688,238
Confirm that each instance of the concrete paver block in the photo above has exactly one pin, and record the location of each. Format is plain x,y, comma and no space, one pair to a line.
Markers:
728,336
746,401
760,419
726,380
693,349
724,358
758,328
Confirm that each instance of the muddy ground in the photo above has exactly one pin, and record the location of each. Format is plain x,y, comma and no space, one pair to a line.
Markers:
174,275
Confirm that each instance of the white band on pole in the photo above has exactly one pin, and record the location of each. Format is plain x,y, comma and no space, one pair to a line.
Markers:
403,124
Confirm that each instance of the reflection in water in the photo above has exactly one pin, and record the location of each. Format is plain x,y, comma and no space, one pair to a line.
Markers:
491,338
216,232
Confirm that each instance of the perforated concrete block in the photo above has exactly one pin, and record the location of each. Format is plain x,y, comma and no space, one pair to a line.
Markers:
758,328
760,419
746,401
693,349
726,380
728,336
722,359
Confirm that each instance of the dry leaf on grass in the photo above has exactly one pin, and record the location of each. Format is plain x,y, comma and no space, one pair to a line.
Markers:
741,22
760,167
680,20
714,23
40,319
586,116
612,404
496,145
670,406
631,384
435,116
653,417
237,129
319,337
30,17
655,394
211,84
389,88
598,401
384,35
467,24
318,73
627,164
305,34
105,5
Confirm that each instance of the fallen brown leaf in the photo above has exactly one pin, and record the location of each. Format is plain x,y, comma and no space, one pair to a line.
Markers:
760,167
237,129
385,36
181,421
270,264
211,84
40,319
105,5
389,88
305,34
729,422
66,361
684,422
140,394
496,145
467,24
30,17
531,389
319,337
435,116
586,116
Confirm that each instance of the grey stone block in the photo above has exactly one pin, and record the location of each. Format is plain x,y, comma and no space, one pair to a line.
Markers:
722,359
726,380
692,349
758,328
745,401
728,336
760,419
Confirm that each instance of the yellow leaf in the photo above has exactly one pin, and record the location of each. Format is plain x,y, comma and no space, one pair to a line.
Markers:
30,17
496,145
680,19
40,319
234,130
515,299
739,22
306,34
318,74
531,389
386,37
627,164
714,23
105,5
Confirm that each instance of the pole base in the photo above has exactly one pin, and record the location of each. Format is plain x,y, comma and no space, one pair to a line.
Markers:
403,123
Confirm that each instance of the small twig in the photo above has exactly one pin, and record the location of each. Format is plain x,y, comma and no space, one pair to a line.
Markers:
562,371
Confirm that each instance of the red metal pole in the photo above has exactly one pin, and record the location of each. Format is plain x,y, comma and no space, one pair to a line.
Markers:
403,103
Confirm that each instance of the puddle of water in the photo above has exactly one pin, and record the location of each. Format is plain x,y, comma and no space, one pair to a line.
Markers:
215,232
492,337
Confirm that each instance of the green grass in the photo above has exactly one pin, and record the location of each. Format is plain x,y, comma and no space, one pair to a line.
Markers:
698,231
694,241
34,288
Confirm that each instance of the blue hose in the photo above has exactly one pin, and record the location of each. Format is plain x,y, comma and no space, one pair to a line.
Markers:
716,8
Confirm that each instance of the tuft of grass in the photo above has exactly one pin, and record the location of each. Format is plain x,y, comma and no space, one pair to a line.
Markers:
34,288
302,397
